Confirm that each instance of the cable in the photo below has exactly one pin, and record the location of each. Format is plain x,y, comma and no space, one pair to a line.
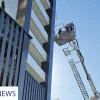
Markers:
59,28
79,50
81,55
98,93
71,44
77,43
88,78
60,24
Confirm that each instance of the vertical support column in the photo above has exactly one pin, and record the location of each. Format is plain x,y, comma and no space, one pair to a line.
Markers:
27,90
24,14
36,91
30,88
23,65
28,16
25,86
50,57
32,91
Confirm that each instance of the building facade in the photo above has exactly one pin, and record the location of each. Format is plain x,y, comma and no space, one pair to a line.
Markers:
37,17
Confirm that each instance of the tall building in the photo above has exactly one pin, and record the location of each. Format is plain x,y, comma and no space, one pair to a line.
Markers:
36,17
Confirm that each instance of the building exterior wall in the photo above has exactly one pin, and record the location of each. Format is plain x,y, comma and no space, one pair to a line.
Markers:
37,17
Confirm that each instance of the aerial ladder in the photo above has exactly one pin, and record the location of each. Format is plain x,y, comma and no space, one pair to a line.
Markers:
67,34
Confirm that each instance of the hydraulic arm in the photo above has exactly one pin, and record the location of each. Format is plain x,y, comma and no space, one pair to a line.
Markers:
66,36
76,47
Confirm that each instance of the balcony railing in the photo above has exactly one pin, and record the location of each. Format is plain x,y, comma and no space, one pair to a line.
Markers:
11,49
32,89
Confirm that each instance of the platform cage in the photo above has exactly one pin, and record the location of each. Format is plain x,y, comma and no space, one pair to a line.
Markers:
65,34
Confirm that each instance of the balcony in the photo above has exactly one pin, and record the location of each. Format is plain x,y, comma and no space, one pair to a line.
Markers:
14,44
36,50
32,89
35,70
40,12
37,28
45,3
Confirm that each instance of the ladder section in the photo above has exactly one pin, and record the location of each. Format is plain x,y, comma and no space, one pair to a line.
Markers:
78,79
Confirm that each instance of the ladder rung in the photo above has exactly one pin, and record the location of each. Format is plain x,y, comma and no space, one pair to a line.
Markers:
78,79
81,83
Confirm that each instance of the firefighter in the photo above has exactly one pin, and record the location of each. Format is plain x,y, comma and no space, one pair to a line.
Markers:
67,28
72,26
59,31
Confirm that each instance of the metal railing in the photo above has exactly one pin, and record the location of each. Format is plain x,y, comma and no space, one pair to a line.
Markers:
11,43
32,89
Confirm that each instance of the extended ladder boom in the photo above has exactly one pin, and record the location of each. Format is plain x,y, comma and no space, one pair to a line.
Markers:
79,80
96,94
66,36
